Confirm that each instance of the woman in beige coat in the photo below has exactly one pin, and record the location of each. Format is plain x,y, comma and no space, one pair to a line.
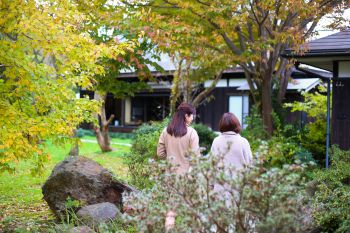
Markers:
179,140
176,143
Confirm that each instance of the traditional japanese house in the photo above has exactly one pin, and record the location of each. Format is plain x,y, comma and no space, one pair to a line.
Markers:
231,94
332,53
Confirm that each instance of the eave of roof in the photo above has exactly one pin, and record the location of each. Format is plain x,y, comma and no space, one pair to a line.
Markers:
317,53
337,44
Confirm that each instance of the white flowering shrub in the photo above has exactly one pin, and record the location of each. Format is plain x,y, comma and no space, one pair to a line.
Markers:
254,200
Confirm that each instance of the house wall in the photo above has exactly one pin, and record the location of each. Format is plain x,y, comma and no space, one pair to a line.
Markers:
344,69
210,113
341,113
130,112
296,118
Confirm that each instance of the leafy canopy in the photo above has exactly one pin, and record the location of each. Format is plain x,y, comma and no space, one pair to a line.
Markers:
45,54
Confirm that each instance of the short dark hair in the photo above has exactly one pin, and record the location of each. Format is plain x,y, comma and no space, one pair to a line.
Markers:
177,126
229,122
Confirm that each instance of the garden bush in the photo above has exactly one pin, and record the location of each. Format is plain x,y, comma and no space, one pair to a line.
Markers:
331,202
284,147
144,148
85,132
206,136
313,136
255,131
258,200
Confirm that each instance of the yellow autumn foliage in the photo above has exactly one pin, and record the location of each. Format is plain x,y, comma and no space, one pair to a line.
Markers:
45,55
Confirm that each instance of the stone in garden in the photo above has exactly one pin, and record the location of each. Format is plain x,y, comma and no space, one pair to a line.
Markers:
81,229
81,179
92,215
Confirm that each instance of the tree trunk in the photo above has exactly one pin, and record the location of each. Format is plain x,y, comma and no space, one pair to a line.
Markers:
283,84
101,132
267,105
175,89
74,150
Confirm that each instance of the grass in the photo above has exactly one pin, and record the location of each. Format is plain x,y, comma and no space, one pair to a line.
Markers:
22,208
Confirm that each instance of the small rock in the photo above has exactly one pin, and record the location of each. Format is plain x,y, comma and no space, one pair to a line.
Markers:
81,229
61,228
92,215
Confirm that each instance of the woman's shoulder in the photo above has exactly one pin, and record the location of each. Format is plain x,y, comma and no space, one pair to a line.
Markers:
164,132
191,130
243,140
217,138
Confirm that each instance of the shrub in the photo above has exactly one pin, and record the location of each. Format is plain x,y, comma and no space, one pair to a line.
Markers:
313,137
143,149
85,132
282,148
255,131
206,136
258,200
331,203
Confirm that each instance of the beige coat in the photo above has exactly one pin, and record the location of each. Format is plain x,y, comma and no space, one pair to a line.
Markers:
177,149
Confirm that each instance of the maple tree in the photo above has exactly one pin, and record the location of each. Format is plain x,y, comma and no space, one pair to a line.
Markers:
45,56
109,83
251,33
134,60
101,26
193,63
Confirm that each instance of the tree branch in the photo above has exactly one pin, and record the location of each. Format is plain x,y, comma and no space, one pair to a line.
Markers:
204,93
230,44
250,32
241,38
203,3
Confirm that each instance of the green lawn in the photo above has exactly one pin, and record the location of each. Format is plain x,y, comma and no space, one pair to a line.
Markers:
21,206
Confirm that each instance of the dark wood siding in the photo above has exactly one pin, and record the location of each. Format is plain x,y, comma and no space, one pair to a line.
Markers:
114,106
296,118
341,113
210,113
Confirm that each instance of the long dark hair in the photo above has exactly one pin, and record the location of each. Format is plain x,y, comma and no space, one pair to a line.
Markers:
177,126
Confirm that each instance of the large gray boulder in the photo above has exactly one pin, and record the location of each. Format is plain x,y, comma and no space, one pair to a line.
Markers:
93,215
81,179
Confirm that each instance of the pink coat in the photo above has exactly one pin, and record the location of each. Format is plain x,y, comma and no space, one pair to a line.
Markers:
235,149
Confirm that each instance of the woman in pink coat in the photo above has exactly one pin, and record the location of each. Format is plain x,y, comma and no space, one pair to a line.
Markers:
234,149
233,152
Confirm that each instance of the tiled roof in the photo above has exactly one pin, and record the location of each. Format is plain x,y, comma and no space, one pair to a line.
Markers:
335,44
337,41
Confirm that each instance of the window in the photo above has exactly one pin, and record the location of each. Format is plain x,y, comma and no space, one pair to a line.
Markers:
142,109
239,105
